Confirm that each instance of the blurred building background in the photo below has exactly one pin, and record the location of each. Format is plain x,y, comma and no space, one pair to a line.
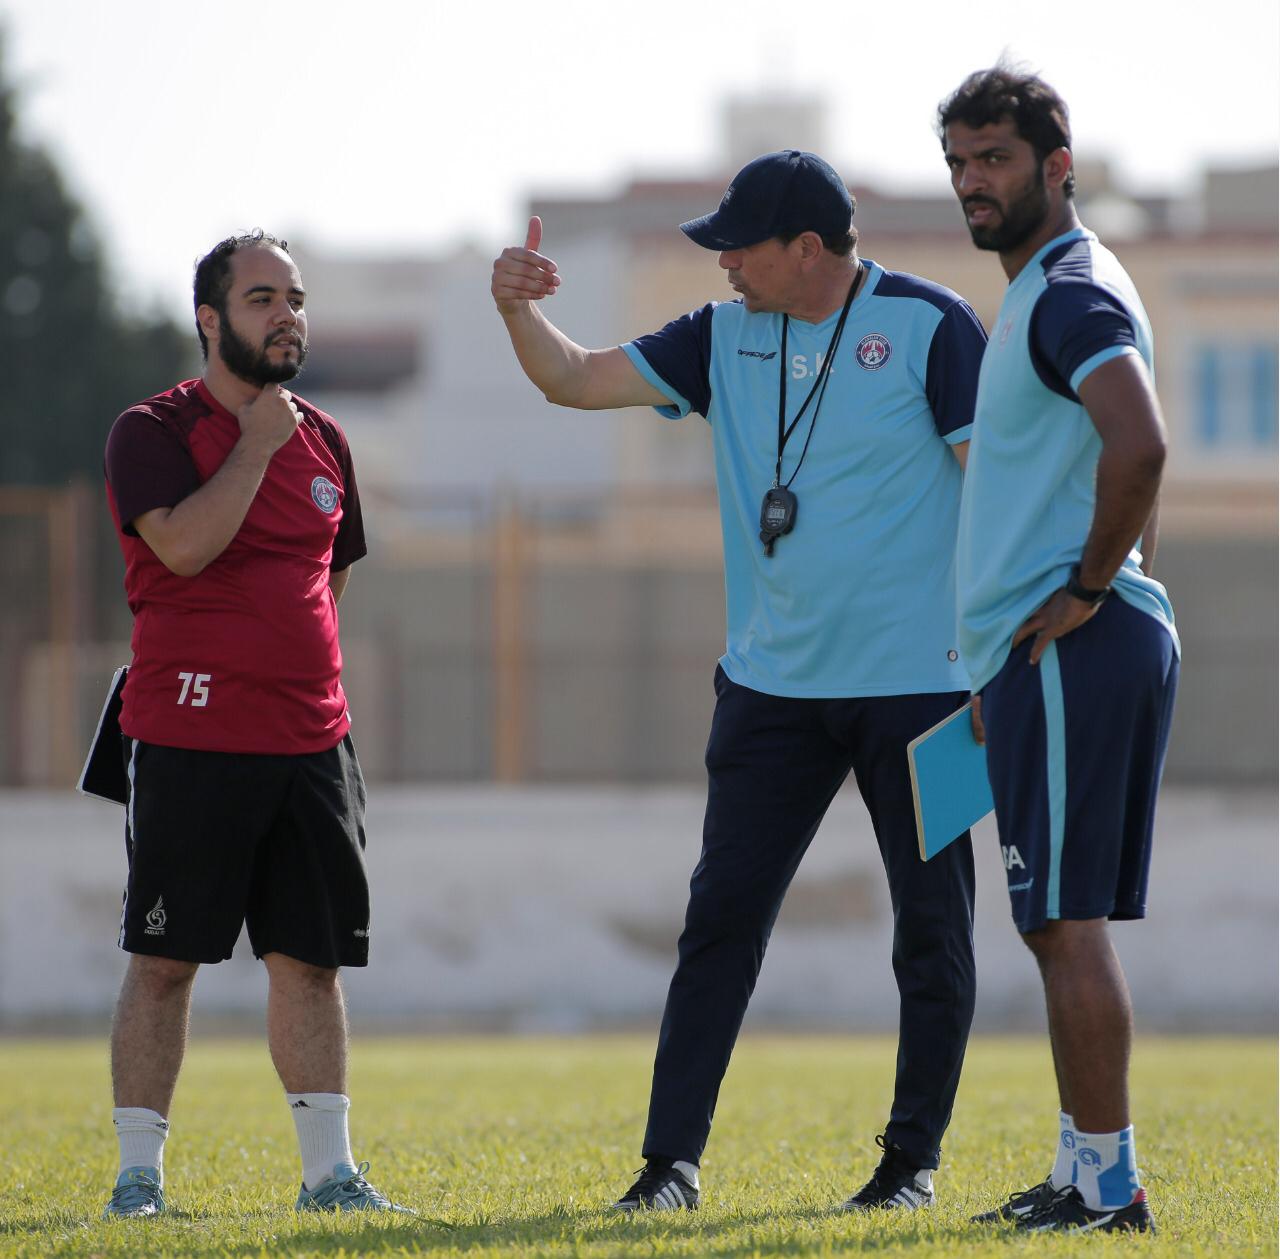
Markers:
543,598
542,607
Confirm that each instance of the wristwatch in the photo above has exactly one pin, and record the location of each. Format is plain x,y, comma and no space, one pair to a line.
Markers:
1083,593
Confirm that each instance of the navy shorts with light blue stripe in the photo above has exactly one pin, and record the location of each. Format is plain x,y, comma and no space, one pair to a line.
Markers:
1075,751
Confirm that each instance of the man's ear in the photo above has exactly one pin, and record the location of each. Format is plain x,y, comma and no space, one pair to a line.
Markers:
1057,166
208,320
811,246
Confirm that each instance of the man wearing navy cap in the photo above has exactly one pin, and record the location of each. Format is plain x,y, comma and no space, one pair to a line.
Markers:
840,397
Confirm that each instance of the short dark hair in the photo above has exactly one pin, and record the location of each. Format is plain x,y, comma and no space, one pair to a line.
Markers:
1039,114
840,243
213,273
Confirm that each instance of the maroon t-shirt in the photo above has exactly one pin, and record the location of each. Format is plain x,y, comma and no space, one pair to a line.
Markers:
242,657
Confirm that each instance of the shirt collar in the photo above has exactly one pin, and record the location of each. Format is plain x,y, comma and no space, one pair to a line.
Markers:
1076,233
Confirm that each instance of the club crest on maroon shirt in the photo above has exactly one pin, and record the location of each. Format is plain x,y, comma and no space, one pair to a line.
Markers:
325,494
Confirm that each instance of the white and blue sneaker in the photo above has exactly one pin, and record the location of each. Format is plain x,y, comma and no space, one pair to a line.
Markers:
137,1195
347,1190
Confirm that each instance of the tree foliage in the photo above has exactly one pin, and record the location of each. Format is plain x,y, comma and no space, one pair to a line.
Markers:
71,359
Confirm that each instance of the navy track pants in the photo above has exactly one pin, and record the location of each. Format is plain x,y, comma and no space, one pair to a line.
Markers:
774,764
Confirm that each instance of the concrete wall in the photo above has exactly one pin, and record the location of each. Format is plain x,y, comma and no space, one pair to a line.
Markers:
554,909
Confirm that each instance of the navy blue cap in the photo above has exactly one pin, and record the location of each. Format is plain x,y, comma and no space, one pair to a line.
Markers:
778,194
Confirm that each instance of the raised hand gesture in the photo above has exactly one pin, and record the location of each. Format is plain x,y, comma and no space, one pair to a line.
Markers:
523,274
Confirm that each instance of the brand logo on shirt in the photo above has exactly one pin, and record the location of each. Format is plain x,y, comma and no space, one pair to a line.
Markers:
324,494
873,351
760,354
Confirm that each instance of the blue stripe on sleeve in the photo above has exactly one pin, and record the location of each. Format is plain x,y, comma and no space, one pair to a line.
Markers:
1102,356
951,376
679,355
680,405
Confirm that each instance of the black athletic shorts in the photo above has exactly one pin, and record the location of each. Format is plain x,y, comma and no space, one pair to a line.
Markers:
217,840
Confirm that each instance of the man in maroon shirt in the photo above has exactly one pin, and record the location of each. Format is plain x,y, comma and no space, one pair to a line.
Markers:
236,508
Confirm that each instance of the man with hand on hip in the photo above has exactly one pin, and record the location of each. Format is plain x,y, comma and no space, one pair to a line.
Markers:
1068,639
839,396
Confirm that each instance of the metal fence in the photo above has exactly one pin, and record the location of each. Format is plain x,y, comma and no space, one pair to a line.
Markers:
559,637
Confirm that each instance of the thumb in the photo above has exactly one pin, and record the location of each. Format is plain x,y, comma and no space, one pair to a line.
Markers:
534,236
1043,639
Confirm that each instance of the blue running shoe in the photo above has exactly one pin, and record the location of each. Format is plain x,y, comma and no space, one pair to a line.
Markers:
346,1190
137,1194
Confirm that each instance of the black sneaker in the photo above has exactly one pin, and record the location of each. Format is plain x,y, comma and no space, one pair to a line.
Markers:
1066,1212
1019,1205
897,1182
660,1188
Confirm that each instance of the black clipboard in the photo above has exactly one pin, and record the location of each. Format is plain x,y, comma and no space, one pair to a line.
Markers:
104,774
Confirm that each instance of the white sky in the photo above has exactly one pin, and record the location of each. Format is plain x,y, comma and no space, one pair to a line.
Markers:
379,124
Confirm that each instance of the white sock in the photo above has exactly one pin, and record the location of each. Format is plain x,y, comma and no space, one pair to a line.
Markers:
141,1133
1106,1169
321,1121
1064,1165
688,1170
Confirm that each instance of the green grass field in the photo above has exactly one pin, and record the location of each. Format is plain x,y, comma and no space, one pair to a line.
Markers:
514,1147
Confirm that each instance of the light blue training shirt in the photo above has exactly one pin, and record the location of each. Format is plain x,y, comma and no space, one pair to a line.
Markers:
859,599
1028,498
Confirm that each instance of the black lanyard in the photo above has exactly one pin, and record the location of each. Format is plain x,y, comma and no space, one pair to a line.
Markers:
819,385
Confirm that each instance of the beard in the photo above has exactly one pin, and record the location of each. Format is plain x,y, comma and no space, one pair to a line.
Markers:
1019,220
250,362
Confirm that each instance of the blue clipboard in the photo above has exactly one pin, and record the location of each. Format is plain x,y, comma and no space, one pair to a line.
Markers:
949,782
